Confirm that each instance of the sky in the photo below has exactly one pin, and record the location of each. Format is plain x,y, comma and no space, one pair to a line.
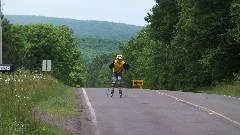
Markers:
119,11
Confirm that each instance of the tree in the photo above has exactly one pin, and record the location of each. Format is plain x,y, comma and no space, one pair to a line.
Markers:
14,43
27,45
162,20
138,53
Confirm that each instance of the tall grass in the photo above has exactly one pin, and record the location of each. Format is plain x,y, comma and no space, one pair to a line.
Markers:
19,95
225,88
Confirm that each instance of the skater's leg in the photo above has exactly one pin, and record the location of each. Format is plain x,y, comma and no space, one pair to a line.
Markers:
120,83
114,79
120,91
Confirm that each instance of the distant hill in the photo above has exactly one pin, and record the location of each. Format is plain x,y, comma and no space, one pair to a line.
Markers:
119,31
94,37
93,46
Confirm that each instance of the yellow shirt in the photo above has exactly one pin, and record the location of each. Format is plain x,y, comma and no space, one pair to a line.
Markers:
118,66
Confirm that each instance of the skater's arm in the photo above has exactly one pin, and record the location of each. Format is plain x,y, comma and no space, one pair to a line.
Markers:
126,66
111,65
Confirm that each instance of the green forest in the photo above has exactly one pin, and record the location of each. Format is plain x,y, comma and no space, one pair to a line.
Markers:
187,44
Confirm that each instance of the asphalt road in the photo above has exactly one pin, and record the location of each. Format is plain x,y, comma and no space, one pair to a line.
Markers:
145,112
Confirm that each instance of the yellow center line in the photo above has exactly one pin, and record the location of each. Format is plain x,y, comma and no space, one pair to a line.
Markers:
200,107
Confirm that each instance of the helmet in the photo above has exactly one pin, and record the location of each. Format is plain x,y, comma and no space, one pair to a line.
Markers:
119,57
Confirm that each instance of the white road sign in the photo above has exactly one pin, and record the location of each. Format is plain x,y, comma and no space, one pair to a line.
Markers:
46,65
6,67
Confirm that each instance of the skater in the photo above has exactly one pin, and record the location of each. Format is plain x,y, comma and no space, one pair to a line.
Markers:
117,67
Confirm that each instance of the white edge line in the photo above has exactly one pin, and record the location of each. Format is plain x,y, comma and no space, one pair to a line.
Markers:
93,115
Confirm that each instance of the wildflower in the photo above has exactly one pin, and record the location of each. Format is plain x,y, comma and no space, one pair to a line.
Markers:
7,80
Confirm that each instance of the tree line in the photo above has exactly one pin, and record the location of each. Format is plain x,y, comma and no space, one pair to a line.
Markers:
187,44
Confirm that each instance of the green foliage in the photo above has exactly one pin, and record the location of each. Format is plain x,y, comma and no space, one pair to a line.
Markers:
104,77
14,50
235,10
202,41
30,44
187,44
163,18
137,52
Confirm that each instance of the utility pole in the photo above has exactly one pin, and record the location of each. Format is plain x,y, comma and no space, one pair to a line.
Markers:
1,32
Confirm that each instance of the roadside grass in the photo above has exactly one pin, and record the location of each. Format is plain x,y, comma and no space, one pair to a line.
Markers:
232,89
22,93
62,103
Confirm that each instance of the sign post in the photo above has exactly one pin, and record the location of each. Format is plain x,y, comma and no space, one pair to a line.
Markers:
1,55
